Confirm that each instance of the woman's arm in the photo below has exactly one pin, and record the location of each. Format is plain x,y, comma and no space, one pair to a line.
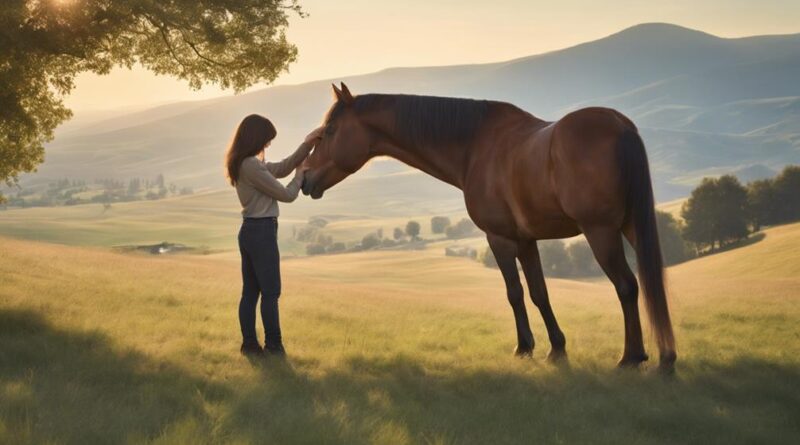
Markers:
260,177
283,168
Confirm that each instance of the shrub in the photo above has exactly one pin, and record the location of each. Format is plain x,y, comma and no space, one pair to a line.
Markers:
336,247
462,229
315,249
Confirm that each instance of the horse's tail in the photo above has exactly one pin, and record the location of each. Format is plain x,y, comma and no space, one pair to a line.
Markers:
641,211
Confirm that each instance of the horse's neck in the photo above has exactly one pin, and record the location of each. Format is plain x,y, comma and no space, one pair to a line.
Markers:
444,163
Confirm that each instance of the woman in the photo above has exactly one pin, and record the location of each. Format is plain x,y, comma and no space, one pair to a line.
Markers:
259,192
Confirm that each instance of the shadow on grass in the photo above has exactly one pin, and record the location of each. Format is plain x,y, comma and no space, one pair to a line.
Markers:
69,387
750,240
396,400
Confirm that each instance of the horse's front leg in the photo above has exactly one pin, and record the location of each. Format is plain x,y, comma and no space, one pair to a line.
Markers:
505,252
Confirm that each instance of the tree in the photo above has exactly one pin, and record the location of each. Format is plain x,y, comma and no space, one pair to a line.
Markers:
673,247
716,212
324,240
134,186
487,258
787,194
412,229
370,241
45,44
462,229
762,203
554,257
439,224
398,234
582,259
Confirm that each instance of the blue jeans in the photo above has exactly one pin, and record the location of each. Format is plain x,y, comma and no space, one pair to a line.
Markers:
261,274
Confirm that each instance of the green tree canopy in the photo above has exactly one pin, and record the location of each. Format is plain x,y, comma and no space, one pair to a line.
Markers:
787,194
762,203
716,212
44,44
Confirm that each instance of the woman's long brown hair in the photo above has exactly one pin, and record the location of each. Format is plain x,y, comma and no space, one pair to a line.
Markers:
253,133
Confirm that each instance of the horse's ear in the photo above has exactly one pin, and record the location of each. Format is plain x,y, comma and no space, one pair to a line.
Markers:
337,93
346,96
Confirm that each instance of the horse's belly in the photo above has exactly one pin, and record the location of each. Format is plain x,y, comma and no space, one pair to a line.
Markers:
514,220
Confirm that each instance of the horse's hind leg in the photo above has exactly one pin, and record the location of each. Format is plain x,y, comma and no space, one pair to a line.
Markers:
505,252
606,243
532,267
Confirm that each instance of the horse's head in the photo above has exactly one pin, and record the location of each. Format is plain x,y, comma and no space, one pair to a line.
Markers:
343,149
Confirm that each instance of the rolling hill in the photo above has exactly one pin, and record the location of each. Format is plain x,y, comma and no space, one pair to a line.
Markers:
705,104
395,348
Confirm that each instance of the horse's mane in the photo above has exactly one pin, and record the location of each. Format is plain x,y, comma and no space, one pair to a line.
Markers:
424,120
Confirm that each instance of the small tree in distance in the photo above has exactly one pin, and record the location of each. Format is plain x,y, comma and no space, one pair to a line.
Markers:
412,230
370,241
554,257
439,224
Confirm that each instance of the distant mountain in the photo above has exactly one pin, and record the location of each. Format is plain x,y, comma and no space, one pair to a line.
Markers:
706,105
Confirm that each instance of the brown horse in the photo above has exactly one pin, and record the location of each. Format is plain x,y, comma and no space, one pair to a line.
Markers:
524,179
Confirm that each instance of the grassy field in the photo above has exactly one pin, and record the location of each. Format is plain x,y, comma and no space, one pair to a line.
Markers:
211,218
385,347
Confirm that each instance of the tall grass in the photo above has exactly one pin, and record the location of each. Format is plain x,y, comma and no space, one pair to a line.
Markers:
385,347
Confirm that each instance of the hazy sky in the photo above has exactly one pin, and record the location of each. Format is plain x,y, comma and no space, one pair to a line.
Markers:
358,36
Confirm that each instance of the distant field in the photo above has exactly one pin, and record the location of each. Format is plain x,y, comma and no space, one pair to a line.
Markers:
385,347
212,218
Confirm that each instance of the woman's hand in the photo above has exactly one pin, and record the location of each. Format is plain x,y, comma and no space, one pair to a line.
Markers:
301,170
314,136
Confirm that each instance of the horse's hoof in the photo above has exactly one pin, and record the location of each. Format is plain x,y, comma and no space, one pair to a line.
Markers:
522,352
666,363
632,361
557,356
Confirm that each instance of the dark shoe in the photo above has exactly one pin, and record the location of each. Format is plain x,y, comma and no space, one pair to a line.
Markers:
276,350
251,349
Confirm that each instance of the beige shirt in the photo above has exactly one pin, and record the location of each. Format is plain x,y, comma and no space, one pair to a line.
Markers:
258,189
